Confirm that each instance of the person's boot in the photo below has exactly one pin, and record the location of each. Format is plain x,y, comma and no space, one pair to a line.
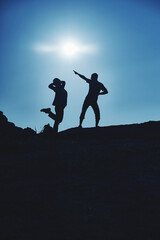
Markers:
45,110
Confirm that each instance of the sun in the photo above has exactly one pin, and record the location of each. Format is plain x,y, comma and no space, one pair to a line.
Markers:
70,49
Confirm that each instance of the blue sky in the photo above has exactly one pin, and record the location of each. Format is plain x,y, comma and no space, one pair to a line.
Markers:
126,36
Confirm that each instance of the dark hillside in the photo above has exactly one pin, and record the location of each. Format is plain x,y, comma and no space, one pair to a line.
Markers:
96,183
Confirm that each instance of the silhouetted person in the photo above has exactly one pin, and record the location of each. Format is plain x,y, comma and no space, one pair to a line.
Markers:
95,89
60,102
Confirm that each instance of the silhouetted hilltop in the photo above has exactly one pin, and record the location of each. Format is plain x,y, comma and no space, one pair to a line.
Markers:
90,183
18,139
147,129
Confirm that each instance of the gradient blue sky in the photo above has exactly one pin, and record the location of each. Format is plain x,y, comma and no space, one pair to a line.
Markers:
126,35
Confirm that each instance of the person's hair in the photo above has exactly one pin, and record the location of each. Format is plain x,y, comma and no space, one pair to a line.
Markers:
94,76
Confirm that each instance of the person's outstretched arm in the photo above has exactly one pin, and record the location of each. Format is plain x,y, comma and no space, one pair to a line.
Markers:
82,76
103,90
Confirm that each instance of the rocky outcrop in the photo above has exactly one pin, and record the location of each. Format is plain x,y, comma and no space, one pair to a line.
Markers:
13,138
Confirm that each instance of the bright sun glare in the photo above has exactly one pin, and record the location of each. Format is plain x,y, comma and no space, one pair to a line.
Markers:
68,49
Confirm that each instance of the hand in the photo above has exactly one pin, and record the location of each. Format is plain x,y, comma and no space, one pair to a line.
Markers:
75,72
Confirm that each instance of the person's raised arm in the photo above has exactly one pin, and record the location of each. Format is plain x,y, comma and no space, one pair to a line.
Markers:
82,76
103,90
52,86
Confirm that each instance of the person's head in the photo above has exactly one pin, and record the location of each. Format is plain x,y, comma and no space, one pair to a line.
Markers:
56,81
94,76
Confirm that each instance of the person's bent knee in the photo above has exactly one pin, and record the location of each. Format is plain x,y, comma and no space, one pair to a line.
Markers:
59,120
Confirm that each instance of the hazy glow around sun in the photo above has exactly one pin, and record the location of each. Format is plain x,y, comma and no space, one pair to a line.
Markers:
66,49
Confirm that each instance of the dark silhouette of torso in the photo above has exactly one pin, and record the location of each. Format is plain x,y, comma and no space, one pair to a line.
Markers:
94,89
60,97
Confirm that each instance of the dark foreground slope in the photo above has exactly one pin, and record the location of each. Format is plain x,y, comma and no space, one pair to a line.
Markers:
85,184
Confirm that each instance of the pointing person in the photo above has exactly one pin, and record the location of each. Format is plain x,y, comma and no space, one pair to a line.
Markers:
96,88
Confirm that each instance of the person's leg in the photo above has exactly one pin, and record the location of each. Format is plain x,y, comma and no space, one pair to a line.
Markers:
58,117
84,109
48,111
55,127
52,115
96,112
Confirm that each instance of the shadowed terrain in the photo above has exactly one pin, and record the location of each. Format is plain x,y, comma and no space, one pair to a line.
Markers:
94,183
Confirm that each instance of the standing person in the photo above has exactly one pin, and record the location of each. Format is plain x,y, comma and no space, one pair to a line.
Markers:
60,102
96,88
